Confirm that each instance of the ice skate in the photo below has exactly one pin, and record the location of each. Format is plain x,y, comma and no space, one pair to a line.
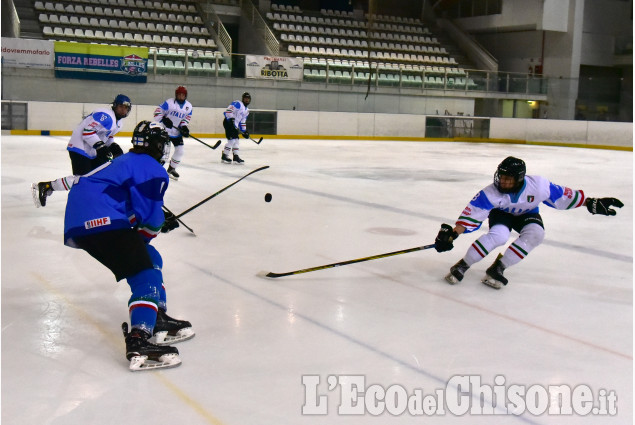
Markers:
172,173
225,159
40,191
456,272
168,330
494,274
144,355
237,159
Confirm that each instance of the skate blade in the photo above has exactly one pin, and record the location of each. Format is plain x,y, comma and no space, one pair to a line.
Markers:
489,281
35,191
162,338
176,179
451,279
138,363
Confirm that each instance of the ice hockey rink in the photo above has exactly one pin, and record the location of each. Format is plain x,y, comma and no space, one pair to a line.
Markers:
288,350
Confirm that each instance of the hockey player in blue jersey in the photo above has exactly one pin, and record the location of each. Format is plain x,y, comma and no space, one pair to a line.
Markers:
91,144
113,213
511,203
175,114
235,121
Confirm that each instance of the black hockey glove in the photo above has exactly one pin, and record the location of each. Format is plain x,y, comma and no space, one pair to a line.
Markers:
603,206
115,150
103,153
185,132
246,135
167,122
444,239
170,223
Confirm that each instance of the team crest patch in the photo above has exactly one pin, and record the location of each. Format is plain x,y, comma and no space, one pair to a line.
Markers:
97,222
530,198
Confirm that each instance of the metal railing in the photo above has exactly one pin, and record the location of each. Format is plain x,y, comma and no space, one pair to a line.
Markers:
260,26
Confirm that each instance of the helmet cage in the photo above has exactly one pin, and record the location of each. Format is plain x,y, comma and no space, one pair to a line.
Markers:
122,99
512,167
152,138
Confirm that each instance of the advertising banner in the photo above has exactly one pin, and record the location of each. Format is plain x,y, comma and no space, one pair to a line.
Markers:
273,67
100,62
27,53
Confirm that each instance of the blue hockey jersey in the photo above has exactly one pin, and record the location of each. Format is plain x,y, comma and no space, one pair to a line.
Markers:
126,193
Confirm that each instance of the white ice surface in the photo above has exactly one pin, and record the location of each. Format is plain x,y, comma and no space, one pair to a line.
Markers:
565,318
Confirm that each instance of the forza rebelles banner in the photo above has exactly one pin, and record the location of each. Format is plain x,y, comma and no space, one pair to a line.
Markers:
99,62
273,67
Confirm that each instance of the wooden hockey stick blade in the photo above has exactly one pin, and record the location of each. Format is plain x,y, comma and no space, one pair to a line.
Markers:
343,263
179,220
220,191
217,144
258,142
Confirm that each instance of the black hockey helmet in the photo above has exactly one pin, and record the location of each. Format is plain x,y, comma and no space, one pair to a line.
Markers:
122,99
151,138
513,167
246,95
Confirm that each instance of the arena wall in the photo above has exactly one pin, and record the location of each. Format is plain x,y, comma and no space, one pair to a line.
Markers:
207,122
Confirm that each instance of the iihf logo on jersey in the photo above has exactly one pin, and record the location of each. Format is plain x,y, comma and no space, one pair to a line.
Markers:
133,65
97,222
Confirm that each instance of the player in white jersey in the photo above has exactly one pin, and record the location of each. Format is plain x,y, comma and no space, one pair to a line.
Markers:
91,145
235,121
511,203
175,114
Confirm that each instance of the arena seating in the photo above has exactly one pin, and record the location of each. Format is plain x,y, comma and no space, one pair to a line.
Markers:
402,50
169,29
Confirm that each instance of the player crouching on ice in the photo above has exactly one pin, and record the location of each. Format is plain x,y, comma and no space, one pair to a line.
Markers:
113,213
511,203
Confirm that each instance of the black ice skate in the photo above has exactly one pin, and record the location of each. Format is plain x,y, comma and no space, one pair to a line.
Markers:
40,191
456,272
172,173
144,355
237,159
168,330
225,159
494,274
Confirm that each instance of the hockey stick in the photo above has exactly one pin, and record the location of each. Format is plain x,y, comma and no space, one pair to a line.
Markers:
343,263
219,192
217,144
179,220
258,142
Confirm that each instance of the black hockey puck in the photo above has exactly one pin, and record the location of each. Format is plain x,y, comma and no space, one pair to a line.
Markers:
268,197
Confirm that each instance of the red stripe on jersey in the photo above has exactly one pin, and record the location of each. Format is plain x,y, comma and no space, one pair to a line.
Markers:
147,234
466,224
582,199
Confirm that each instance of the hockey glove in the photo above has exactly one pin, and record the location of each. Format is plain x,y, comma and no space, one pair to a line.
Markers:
603,206
246,135
444,239
170,223
167,122
185,132
103,153
115,150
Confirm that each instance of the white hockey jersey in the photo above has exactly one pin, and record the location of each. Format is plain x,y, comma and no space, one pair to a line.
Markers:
100,126
179,114
239,112
535,190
